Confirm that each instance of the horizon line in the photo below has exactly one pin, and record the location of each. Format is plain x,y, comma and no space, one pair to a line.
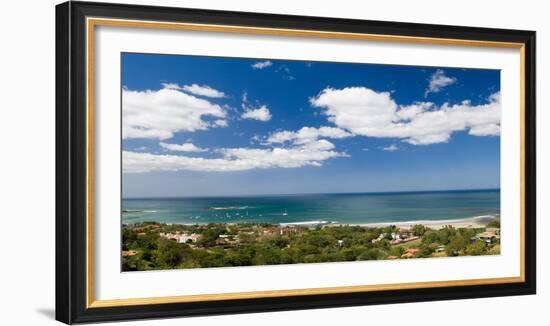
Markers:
316,193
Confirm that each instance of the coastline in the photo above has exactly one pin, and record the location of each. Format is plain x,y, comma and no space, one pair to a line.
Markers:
183,246
471,222
312,210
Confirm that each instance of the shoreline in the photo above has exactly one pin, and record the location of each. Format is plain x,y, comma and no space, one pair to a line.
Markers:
470,222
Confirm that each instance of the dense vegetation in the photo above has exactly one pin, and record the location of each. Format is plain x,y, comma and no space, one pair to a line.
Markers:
218,245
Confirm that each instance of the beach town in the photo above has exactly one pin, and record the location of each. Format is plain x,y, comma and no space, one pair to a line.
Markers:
153,245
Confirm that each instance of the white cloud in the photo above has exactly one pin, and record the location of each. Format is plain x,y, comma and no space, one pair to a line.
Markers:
438,81
159,114
185,147
170,86
234,159
391,148
262,114
307,134
262,64
220,123
409,112
201,90
256,139
485,130
284,70
429,139
362,111
359,110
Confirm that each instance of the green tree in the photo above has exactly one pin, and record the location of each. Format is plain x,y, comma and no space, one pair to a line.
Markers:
372,254
430,237
396,251
267,255
445,234
426,250
477,248
456,245
169,253
494,224
468,233
280,242
418,230
318,240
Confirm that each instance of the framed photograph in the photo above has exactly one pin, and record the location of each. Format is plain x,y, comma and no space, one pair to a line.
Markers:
213,162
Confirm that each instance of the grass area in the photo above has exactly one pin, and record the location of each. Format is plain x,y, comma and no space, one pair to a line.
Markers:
410,244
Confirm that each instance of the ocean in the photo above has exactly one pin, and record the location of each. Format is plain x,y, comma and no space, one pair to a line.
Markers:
354,208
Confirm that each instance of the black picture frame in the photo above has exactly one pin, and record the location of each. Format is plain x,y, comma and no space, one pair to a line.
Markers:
71,158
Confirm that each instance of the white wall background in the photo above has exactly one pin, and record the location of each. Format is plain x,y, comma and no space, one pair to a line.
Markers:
27,162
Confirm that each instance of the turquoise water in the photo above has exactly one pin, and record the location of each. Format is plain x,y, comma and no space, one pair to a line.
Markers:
357,208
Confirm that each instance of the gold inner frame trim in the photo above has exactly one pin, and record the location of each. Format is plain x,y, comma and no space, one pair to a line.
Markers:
92,22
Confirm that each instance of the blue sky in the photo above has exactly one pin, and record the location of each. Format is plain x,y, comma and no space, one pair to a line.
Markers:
208,126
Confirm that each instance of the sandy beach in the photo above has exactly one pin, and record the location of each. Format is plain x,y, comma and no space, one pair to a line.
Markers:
474,222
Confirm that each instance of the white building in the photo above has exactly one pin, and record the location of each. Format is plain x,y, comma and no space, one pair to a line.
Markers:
181,237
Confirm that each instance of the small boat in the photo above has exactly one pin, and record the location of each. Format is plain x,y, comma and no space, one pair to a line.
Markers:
285,213
132,211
